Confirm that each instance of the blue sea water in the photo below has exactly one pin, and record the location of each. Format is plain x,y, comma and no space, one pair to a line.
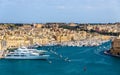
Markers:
84,61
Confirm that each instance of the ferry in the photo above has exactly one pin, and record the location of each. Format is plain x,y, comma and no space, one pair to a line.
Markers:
26,53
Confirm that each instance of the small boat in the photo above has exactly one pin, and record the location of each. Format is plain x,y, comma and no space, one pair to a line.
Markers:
25,53
108,53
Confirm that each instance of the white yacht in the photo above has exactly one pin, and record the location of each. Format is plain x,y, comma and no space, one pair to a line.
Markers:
25,53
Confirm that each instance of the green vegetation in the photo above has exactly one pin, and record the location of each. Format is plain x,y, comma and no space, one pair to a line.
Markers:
69,27
104,33
11,49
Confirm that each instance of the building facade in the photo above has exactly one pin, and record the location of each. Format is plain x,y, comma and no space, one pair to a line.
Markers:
115,50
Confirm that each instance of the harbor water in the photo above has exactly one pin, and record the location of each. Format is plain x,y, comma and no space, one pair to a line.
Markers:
66,61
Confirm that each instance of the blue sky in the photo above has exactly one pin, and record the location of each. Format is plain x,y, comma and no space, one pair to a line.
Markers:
41,11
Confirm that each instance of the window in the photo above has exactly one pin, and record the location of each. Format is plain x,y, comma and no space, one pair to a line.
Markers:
23,55
118,53
16,55
8,55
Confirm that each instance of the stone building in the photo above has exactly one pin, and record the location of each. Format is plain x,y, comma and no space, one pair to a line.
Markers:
38,25
2,45
72,24
115,50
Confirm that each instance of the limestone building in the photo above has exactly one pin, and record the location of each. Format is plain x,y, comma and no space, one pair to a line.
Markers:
2,45
115,50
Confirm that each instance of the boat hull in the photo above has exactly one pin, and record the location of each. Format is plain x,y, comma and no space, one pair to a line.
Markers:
108,53
43,57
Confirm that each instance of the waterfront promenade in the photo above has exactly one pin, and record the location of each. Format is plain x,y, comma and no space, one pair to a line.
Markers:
81,43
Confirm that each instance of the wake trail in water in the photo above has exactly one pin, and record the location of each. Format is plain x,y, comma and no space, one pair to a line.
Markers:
99,51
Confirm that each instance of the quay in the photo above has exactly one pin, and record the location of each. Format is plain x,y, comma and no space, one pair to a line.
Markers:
3,53
81,43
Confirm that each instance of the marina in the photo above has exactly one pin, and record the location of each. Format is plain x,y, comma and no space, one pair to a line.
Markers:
85,42
83,60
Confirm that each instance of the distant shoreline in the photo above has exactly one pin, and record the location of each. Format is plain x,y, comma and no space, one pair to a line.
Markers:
99,23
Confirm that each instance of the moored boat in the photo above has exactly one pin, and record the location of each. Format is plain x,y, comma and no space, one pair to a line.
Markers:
25,53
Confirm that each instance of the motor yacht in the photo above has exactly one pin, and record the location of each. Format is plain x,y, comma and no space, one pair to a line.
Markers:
26,53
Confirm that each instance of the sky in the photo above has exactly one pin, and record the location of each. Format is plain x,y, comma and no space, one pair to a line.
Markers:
42,11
